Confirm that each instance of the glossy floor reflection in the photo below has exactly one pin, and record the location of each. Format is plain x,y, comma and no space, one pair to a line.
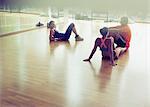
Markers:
36,73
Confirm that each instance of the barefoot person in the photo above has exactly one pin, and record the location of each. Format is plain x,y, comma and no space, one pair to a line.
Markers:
106,45
55,35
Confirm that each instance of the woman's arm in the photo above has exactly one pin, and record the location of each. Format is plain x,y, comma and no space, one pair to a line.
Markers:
97,41
111,50
51,36
113,29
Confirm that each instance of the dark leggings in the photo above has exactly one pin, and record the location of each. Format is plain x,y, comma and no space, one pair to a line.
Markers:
120,41
68,32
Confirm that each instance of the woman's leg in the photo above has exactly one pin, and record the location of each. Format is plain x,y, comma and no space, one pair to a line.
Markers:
69,31
119,40
119,51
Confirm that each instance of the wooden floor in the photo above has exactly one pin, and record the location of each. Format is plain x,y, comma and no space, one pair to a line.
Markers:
36,73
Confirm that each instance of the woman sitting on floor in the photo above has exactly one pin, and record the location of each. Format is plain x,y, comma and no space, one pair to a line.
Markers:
106,45
121,35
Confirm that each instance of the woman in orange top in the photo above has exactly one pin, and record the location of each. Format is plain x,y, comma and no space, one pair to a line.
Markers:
124,31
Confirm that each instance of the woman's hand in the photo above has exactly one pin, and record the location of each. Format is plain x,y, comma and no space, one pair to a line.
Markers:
113,64
86,60
51,38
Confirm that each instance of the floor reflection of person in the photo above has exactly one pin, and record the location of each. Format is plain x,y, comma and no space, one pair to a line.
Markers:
104,74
